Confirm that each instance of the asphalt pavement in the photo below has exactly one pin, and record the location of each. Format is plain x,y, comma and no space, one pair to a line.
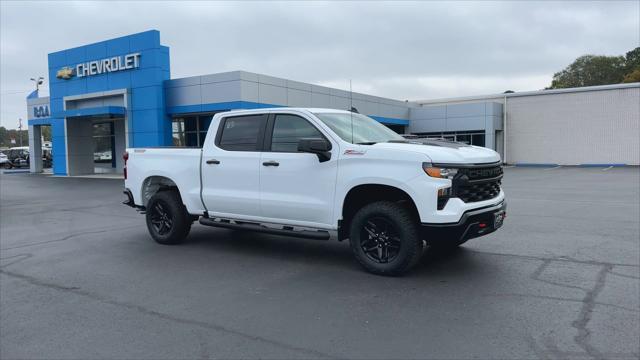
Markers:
80,278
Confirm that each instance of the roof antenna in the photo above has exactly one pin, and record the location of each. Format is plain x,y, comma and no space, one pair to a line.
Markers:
351,106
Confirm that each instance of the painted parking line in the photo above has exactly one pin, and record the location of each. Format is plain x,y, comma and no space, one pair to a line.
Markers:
607,168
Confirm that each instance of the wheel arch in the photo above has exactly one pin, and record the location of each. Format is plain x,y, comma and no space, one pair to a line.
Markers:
363,194
153,184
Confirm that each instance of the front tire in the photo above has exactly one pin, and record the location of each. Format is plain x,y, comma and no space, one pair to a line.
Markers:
7,165
385,238
167,218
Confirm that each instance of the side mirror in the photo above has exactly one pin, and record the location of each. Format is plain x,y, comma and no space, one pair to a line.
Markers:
318,146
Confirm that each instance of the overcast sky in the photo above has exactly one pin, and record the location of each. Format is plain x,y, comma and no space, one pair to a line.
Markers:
401,50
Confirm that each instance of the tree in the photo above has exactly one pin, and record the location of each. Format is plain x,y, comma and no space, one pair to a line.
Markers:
590,70
632,60
633,76
7,134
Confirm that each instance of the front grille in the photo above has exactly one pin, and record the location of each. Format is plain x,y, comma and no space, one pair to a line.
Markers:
477,183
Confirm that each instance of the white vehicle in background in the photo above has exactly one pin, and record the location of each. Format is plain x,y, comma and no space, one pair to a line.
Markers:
318,173
3,159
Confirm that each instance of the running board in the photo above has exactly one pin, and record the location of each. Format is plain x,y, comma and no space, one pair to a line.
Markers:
307,234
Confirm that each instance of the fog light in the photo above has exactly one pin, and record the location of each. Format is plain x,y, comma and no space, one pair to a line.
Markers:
443,197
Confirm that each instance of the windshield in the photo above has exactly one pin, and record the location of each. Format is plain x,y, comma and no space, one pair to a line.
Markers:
365,129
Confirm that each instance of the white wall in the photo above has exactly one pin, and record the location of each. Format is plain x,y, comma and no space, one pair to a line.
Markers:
592,127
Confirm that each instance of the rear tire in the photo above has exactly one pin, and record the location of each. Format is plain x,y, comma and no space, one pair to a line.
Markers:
385,238
7,165
167,218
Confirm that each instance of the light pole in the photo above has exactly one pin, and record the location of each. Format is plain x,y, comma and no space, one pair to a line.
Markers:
20,130
38,82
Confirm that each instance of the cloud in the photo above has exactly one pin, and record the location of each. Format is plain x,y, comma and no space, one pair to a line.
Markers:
402,50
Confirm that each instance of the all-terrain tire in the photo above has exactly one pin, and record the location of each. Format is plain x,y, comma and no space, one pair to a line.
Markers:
403,232
167,218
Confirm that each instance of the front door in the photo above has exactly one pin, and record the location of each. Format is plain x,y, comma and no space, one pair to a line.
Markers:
230,168
295,187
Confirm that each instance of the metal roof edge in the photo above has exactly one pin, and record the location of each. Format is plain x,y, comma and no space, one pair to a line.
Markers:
531,93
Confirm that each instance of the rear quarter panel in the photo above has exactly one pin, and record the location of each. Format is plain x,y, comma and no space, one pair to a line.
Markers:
180,165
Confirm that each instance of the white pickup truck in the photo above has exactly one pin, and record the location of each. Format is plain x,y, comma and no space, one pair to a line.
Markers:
317,174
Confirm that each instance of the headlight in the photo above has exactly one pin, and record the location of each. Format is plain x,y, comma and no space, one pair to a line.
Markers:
437,172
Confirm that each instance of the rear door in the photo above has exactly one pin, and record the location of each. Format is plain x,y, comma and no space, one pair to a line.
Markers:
231,167
296,188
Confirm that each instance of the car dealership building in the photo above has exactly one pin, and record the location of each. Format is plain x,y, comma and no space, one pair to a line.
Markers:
118,93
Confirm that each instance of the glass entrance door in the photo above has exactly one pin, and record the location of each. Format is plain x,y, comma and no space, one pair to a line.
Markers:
104,146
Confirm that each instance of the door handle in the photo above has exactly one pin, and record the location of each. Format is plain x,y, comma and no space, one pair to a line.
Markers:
213,162
271,163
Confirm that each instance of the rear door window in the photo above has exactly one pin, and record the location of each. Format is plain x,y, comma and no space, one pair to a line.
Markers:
242,133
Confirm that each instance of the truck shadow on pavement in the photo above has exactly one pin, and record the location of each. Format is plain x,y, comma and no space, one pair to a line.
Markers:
251,246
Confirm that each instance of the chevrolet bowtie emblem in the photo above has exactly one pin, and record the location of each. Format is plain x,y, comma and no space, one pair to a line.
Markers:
65,73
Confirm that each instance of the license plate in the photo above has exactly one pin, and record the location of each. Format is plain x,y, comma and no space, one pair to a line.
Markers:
498,219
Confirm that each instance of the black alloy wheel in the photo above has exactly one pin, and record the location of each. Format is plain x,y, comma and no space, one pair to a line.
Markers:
385,239
161,218
380,241
167,218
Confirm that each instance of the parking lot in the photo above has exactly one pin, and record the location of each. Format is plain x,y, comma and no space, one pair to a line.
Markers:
81,278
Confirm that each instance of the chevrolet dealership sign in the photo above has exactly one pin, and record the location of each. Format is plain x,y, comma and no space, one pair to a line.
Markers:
103,66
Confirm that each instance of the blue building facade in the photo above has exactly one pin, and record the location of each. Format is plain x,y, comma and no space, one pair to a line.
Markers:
118,93
95,81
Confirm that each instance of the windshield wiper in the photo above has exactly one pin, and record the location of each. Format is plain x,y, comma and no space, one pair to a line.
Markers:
367,143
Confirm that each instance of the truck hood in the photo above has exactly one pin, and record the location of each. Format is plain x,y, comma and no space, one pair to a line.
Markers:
444,151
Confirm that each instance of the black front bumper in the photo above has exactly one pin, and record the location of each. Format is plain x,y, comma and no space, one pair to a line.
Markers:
472,224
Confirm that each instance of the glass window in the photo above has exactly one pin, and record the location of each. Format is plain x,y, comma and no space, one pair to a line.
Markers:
103,138
190,130
184,131
241,133
177,130
463,138
201,137
288,130
357,128
204,121
477,139
190,123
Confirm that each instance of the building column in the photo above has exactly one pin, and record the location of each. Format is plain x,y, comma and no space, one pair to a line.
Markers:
35,148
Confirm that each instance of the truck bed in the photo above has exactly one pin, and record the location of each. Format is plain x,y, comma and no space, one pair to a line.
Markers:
178,165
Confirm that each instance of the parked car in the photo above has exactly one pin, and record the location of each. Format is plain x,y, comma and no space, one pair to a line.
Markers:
314,173
3,159
17,156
